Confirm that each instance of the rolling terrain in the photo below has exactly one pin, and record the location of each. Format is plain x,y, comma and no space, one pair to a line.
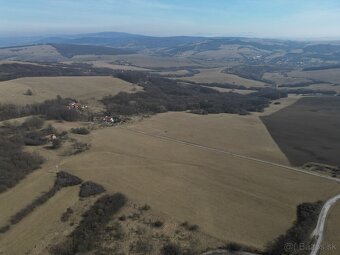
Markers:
206,138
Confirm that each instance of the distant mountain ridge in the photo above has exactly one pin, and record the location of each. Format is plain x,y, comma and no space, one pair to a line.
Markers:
254,51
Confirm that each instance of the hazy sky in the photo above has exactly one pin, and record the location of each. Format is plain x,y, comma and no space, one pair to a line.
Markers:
261,18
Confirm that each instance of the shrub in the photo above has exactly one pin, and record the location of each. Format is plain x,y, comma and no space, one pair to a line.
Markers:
34,138
56,144
141,246
145,207
80,131
157,224
171,249
28,93
4,229
89,188
116,231
234,247
65,179
33,123
122,218
66,215
79,147
190,227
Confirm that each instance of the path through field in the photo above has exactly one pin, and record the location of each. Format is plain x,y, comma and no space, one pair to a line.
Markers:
230,153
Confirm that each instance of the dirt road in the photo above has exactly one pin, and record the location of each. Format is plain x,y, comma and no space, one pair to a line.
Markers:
231,154
319,230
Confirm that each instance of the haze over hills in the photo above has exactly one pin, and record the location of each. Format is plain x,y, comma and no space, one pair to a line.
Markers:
255,51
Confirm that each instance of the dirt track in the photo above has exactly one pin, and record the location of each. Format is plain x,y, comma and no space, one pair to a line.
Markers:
232,154
319,230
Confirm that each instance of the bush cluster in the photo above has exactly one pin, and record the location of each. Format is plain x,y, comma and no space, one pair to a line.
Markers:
80,131
171,249
89,188
85,237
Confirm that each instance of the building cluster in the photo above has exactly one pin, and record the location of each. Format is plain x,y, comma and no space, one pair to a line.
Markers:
77,106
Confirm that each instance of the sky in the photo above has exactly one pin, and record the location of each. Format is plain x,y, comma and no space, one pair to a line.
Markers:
298,19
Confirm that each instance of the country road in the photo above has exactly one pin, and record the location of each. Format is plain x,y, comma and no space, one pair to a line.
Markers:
319,230
166,138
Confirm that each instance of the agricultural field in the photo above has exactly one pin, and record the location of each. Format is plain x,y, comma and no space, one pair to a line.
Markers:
215,75
86,89
308,131
200,167
196,184
244,135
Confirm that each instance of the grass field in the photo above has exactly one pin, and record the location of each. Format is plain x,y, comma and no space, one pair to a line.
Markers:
332,236
230,198
328,75
215,75
86,89
244,135
308,131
